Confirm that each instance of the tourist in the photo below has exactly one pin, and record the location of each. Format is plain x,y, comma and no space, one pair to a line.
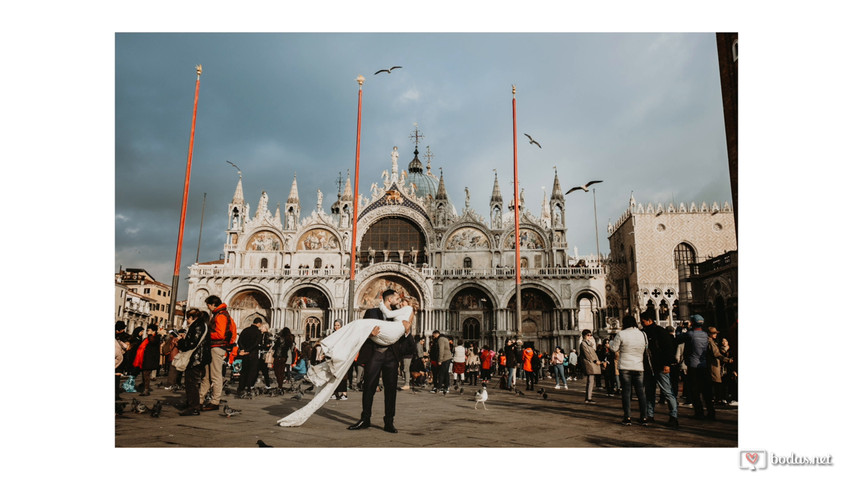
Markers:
147,358
458,367
472,365
590,364
630,344
283,355
662,352
557,360
698,370
197,340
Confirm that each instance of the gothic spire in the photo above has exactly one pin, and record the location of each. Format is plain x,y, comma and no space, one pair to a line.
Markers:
294,192
496,191
238,193
347,196
556,191
441,194
278,213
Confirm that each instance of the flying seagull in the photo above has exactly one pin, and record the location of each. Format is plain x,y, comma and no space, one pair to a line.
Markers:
388,70
532,141
585,188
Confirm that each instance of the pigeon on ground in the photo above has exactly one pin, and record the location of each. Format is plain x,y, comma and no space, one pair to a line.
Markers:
141,408
540,391
261,444
120,407
519,392
156,409
298,396
544,396
387,70
481,397
228,411
532,142
461,391
585,188
456,387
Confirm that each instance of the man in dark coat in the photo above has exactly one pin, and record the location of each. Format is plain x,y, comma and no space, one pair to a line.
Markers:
249,344
382,361
197,339
662,350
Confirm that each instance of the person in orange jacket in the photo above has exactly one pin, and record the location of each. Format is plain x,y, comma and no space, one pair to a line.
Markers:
527,365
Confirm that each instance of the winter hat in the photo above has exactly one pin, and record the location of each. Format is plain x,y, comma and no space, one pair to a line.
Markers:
697,319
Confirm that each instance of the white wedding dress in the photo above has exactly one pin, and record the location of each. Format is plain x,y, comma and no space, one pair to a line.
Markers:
340,349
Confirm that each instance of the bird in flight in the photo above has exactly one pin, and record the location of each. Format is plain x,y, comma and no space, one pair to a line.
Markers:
388,70
532,141
585,188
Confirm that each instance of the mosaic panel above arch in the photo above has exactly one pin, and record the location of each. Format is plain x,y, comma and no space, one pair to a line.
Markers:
529,239
371,293
264,241
318,239
467,238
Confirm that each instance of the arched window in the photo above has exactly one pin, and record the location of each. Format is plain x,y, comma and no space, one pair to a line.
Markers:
684,255
318,262
395,235
466,263
312,328
471,329
264,264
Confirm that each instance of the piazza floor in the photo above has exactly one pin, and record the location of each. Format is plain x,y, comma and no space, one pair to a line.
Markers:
424,420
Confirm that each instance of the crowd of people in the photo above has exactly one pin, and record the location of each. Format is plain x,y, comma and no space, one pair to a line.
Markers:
643,361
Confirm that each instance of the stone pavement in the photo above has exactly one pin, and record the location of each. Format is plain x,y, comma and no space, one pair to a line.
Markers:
425,420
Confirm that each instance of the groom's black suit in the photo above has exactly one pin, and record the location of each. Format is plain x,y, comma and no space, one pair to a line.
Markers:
384,361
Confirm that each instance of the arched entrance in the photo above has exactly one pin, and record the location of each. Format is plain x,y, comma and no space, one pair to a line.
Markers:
311,308
537,313
476,308
247,305
369,295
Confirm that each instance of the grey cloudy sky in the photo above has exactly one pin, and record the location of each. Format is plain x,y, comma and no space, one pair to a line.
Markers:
642,112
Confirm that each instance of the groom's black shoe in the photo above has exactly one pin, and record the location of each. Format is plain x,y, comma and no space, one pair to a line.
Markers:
360,425
389,427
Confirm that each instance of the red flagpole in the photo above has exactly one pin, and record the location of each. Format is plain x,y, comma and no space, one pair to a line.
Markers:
352,261
177,272
517,239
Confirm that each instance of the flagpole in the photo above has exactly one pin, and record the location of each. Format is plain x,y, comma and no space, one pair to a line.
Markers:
201,227
517,239
177,273
360,81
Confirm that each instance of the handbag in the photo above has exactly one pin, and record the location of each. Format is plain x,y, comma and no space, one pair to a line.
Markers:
182,359
268,358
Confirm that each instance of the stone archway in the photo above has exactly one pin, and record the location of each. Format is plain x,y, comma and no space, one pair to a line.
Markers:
309,302
247,305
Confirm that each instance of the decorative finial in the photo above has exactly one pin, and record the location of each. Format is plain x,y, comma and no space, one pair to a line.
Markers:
513,90
360,80
198,69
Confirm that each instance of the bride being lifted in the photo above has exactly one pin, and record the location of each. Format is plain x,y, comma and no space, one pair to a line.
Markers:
341,347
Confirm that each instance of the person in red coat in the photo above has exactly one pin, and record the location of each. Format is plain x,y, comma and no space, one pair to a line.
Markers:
148,358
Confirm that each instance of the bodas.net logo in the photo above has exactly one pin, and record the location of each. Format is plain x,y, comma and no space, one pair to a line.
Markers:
753,459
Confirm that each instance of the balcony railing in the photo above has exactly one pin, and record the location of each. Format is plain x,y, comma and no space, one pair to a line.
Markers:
430,272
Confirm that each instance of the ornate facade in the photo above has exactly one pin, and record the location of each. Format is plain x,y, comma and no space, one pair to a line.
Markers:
652,249
292,267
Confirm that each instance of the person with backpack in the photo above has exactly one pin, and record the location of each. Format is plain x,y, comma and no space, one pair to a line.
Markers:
223,334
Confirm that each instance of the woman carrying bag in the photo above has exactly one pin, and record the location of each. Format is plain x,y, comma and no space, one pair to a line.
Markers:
197,343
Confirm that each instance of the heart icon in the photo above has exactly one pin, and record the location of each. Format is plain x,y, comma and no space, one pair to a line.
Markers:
752,458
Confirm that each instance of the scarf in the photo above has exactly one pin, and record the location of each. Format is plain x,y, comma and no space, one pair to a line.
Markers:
140,353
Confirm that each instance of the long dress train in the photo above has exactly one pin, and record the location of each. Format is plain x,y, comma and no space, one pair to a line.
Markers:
340,349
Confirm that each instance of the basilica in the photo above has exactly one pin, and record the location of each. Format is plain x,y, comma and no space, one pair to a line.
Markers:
291,267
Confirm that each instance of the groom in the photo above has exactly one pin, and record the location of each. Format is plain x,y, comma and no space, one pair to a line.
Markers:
385,361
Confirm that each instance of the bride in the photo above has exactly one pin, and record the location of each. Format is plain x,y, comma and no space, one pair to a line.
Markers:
340,349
